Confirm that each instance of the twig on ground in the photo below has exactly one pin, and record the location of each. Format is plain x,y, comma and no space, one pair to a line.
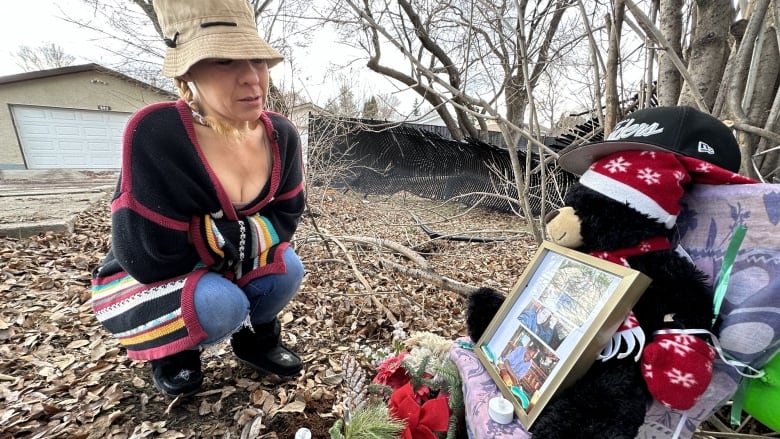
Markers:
456,237
430,276
396,247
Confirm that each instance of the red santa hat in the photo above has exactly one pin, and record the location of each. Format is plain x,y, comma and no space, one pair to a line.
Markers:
652,182
650,155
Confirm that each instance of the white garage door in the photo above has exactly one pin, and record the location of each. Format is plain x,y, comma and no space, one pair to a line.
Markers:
69,138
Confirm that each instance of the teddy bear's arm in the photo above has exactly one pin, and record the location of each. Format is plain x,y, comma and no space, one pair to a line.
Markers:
679,296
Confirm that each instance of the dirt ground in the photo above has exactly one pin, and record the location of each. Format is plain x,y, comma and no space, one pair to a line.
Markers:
32,202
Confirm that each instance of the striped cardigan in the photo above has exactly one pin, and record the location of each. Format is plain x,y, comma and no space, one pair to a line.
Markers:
172,222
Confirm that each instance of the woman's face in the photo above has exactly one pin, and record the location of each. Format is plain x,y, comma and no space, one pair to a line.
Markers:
233,90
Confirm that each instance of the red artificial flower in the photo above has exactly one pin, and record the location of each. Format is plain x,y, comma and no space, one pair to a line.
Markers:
391,373
421,420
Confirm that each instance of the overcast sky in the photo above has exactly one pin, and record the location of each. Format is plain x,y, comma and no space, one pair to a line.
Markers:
34,23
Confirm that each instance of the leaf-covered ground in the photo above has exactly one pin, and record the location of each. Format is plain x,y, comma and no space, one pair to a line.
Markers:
61,375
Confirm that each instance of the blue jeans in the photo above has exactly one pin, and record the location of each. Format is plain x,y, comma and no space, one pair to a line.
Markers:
222,307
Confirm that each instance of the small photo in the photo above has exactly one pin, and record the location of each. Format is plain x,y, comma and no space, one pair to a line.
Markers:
524,366
544,323
576,290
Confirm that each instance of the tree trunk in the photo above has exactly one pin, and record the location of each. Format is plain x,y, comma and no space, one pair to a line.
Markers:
516,101
740,77
709,50
720,109
669,78
764,85
613,64
764,80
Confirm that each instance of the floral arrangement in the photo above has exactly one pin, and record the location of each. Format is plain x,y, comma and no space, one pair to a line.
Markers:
415,394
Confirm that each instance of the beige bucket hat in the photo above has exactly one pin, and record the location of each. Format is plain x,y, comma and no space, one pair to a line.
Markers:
195,30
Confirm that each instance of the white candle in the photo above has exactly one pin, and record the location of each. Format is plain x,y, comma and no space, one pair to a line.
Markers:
501,410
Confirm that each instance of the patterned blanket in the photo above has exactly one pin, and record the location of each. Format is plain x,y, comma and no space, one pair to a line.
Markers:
750,331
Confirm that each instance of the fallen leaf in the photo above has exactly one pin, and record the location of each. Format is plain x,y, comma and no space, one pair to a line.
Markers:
253,429
293,407
77,344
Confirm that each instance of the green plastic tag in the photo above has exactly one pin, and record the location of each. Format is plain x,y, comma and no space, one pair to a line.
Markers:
725,269
465,345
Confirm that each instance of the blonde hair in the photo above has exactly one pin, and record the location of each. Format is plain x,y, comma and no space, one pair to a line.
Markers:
215,123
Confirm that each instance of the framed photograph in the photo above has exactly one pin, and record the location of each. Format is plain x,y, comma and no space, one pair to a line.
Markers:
552,326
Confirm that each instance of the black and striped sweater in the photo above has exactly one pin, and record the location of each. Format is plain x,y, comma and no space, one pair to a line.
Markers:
171,222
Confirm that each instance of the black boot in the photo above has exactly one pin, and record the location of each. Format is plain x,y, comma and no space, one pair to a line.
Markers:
178,374
264,351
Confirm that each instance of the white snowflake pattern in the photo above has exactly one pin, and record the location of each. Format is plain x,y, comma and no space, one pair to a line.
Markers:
679,175
650,153
648,373
649,176
617,165
677,348
645,247
685,339
704,167
686,379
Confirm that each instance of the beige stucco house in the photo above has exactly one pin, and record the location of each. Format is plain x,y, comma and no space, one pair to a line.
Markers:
70,117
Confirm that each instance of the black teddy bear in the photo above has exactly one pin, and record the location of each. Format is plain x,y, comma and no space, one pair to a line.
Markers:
623,209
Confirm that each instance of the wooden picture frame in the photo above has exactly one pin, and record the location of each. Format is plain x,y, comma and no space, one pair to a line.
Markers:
552,326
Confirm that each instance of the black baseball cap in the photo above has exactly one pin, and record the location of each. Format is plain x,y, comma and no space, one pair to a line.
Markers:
681,130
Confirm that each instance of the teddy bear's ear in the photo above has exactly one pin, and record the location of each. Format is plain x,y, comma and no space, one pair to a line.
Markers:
483,305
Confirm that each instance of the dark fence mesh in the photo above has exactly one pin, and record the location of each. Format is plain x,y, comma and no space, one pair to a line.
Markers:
383,158
371,158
